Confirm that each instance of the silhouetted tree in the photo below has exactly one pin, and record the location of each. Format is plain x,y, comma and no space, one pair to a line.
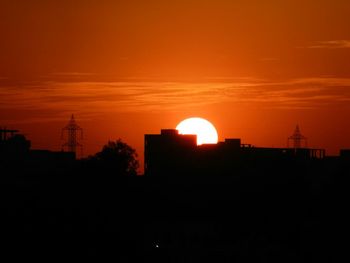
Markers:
117,157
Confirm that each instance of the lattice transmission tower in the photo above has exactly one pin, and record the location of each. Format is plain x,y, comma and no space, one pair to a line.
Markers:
71,132
299,140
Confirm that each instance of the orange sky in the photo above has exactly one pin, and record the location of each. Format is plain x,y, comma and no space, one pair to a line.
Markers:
125,68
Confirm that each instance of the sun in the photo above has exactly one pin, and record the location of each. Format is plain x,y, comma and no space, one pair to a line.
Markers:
205,131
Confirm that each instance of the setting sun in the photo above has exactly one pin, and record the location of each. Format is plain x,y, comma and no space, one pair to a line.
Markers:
205,131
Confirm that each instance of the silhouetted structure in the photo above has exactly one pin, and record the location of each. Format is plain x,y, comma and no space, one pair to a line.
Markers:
175,154
277,205
345,153
46,158
13,146
297,138
168,152
71,129
6,134
16,154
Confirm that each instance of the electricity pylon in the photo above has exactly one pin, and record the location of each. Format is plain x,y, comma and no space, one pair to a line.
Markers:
71,130
297,138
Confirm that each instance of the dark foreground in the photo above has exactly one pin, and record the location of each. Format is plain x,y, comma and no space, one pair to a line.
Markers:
294,215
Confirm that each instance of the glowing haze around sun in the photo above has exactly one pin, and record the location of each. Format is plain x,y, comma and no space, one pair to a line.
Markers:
205,131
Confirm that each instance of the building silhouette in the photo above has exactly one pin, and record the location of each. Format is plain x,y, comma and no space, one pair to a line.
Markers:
5,134
13,145
16,153
345,154
170,153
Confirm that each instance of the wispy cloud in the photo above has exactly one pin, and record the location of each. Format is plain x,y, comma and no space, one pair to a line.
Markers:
331,44
90,99
72,74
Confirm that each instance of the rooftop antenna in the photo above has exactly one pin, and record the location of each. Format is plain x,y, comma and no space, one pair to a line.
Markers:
71,130
299,140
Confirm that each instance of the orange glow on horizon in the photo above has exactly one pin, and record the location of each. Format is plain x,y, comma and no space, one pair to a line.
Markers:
128,68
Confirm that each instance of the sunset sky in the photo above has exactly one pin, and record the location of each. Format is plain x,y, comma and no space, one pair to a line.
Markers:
254,69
